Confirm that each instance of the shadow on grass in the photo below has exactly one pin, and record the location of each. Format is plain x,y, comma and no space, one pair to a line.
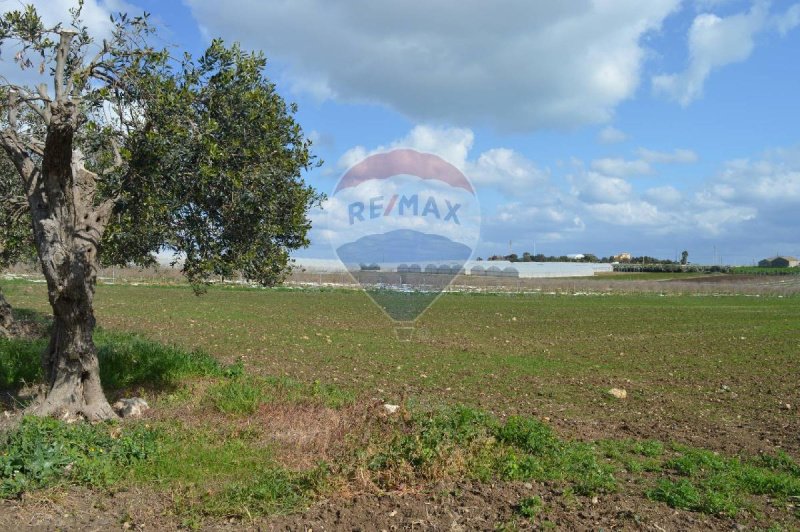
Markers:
126,361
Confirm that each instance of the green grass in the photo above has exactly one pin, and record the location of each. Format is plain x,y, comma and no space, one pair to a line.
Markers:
126,360
522,356
709,483
530,507
757,270
556,351
464,442
42,452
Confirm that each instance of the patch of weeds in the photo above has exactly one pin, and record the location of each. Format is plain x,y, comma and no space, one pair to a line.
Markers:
42,451
677,494
529,435
434,445
245,394
463,441
693,461
19,362
718,485
648,448
536,453
581,466
239,396
215,474
273,490
530,507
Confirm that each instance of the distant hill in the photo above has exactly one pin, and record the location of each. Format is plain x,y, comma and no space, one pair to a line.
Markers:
403,245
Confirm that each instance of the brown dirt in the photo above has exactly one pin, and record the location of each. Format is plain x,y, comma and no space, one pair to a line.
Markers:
455,507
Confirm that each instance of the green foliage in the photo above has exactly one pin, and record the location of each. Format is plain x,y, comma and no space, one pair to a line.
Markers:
465,441
202,156
530,507
238,396
719,485
221,474
680,494
528,434
15,223
45,451
19,362
758,270
220,181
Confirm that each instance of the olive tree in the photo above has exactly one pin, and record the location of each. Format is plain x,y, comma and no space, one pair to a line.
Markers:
127,151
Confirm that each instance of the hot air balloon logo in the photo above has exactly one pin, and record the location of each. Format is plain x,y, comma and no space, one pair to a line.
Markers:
404,223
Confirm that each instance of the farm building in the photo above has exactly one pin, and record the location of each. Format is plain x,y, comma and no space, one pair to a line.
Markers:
780,261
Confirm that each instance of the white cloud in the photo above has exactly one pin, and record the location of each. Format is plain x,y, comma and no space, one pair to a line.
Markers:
507,171
666,195
679,155
789,20
611,135
450,143
592,187
522,66
748,208
713,43
629,213
618,167
501,169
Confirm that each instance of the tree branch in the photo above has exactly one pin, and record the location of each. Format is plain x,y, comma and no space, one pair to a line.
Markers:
24,96
88,70
61,62
17,150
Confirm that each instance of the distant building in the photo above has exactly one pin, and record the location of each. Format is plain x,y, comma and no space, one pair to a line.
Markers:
622,257
576,256
781,261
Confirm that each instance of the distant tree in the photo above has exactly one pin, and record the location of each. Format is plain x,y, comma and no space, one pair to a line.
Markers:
684,257
131,152
589,257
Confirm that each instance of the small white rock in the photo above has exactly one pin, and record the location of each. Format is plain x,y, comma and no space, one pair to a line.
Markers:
391,409
619,393
134,407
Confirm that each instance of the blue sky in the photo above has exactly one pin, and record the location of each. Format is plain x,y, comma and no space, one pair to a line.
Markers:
586,126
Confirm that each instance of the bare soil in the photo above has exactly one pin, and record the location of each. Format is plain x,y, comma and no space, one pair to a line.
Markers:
454,507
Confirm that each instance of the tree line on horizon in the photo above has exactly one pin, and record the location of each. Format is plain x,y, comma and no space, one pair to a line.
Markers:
587,257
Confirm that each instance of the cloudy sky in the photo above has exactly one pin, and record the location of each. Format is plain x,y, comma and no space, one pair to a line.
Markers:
593,126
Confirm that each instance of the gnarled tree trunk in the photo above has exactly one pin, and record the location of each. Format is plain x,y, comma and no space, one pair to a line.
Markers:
68,227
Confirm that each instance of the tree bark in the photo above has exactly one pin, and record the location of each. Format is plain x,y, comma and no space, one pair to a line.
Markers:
6,318
68,224
68,227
